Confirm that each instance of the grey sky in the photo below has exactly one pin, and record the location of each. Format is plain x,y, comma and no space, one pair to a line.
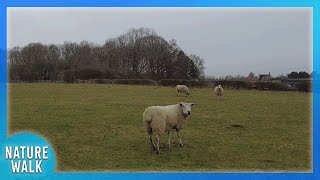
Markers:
231,40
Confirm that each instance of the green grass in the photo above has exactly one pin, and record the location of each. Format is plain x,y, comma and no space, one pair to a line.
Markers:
94,127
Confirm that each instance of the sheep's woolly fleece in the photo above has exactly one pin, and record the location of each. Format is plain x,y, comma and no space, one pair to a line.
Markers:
218,90
164,118
183,89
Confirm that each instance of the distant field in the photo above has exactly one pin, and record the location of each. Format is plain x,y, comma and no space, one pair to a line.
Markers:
94,127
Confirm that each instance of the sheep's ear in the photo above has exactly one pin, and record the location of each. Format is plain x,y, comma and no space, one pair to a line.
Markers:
181,104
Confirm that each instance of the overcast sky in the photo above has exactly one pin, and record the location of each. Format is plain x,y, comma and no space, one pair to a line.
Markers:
230,40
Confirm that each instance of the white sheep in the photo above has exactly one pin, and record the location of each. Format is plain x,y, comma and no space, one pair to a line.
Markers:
160,119
219,92
183,89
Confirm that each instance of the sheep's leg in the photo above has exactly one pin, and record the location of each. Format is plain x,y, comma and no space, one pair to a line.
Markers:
152,143
158,143
179,136
169,133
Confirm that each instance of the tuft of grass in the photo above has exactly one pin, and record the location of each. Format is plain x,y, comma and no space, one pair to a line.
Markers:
97,127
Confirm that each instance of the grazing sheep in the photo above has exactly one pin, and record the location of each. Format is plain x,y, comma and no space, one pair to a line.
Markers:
219,92
160,119
183,89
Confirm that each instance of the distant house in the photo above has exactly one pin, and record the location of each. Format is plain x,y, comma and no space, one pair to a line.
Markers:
265,77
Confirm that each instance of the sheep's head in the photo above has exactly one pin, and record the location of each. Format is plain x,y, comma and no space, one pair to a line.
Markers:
219,86
186,108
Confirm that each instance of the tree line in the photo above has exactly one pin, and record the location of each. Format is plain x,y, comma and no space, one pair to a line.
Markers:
140,53
299,75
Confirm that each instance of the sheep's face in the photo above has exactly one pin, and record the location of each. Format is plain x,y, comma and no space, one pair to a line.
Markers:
219,86
186,108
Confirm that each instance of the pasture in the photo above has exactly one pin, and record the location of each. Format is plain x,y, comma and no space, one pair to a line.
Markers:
98,127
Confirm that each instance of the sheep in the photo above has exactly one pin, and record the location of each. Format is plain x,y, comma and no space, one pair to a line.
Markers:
160,119
219,92
183,89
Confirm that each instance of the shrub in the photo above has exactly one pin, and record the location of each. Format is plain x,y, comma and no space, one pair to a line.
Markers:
234,84
271,86
69,76
252,85
127,75
102,81
89,73
189,83
111,74
134,81
305,86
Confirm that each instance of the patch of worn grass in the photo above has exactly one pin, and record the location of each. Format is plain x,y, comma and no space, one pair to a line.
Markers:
94,127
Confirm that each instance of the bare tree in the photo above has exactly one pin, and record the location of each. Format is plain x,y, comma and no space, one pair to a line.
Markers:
199,64
138,53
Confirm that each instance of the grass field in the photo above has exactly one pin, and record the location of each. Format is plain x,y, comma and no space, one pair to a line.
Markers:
94,127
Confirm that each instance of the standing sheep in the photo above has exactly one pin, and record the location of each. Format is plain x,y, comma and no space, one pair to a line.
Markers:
160,119
183,89
219,92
